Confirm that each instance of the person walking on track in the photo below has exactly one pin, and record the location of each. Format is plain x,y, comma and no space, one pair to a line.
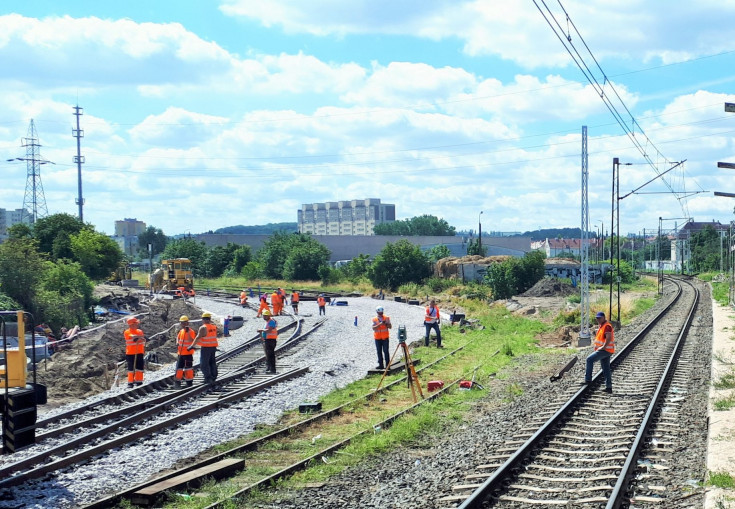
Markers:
269,335
604,348
207,339
381,333
185,361
295,297
432,321
263,305
134,351
276,302
322,302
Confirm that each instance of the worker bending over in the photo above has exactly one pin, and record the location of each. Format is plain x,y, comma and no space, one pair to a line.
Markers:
134,351
243,298
185,362
263,305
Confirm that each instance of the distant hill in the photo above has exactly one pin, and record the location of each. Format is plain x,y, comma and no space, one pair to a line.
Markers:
259,229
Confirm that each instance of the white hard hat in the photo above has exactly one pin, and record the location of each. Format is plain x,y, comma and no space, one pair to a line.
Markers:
379,309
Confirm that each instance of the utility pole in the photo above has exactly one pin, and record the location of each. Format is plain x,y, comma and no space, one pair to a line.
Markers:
584,284
79,160
33,197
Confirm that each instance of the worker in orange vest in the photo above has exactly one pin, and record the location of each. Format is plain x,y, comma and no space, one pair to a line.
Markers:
322,302
276,302
207,339
185,349
134,351
243,298
295,297
269,335
604,348
263,305
381,333
432,321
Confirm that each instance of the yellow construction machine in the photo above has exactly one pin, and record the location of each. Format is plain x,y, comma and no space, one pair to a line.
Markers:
123,272
174,276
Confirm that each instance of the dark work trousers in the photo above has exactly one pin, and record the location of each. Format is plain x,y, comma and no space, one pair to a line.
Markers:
135,363
208,364
434,326
322,310
269,347
381,345
184,365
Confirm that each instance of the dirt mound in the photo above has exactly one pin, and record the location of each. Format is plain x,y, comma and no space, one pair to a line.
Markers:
449,267
547,287
89,364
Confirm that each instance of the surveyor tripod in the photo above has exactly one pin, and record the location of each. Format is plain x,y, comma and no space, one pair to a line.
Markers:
413,379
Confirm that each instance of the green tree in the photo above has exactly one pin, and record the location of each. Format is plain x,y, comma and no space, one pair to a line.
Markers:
398,264
515,275
474,248
8,304
705,250
68,279
47,229
419,225
436,253
240,257
189,248
20,231
97,253
21,269
304,260
218,259
273,254
153,236
357,268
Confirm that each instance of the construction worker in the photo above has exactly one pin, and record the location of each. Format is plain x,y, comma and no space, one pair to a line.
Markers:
226,326
322,302
604,348
185,362
263,305
269,335
432,321
276,302
295,301
381,333
134,351
207,339
243,298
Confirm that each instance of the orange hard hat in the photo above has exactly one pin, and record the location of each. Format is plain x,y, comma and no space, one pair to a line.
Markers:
133,321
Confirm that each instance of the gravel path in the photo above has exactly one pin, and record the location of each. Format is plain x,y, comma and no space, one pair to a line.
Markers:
337,354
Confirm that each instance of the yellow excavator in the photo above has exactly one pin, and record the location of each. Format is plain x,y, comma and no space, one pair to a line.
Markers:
174,276
122,273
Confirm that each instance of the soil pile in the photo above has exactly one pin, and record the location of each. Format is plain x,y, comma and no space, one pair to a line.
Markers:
449,267
90,363
547,287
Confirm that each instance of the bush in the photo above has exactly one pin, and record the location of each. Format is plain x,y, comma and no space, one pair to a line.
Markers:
252,270
8,304
329,276
515,275
398,264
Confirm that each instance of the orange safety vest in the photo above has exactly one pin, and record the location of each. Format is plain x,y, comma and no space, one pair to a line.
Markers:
600,338
432,315
271,329
133,347
381,331
294,297
321,301
243,297
275,298
210,340
184,341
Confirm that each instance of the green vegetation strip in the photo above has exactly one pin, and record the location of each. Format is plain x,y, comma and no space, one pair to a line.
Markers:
315,457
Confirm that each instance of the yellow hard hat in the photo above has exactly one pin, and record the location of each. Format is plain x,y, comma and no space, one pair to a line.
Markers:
266,313
184,318
206,315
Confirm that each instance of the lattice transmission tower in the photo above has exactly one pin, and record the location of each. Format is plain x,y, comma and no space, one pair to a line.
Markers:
34,201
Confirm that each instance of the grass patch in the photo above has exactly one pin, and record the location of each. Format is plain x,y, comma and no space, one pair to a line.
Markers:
726,381
720,292
721,479
724,404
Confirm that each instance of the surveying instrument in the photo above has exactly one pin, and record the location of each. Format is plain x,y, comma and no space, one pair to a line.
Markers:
413,379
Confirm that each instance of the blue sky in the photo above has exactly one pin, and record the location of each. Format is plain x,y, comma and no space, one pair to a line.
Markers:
204,114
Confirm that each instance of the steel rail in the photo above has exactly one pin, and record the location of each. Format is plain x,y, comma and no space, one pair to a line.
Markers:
499,476
258,442
130,437
621,486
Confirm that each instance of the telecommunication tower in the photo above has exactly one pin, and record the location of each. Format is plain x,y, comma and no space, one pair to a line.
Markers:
79,160
584,284
34,201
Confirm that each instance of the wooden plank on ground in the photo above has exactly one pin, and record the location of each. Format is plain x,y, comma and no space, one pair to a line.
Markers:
150,495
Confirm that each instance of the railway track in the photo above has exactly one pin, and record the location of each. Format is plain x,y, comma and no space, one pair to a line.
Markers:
288,431
143,418
584,450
